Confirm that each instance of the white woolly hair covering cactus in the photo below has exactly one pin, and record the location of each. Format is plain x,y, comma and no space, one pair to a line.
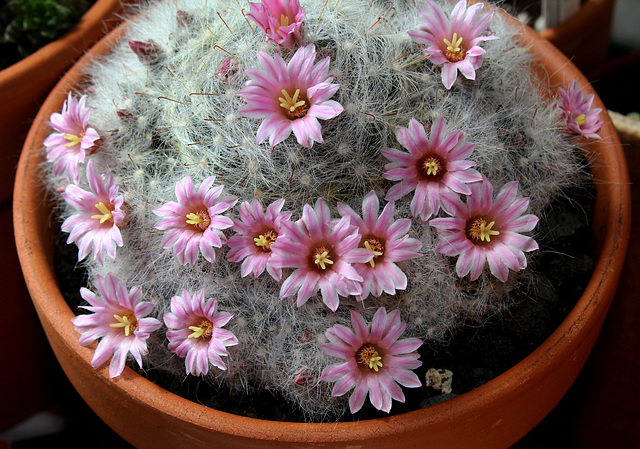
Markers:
176,116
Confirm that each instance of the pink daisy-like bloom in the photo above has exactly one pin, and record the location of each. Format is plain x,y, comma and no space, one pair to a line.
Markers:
195,332
577,112
435,167
96,226
453,43
375,361
484,230
119,319
387,239
322,253
290,97
256,231
74,140
280,20
194,223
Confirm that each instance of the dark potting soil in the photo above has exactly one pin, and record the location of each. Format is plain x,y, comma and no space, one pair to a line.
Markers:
477,353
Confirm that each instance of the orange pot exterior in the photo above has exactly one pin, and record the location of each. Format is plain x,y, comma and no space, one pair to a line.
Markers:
585,37
493,416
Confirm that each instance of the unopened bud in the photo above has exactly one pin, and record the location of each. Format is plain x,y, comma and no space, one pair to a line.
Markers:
302,376
184,18
125,114
147,51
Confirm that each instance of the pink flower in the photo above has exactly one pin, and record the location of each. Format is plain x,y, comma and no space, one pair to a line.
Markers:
96,226
280,20
194,223
256,232
453,42
387,239
577,112
290,97
119,319
74,139
195,332
435,167
486,230
322,255
374,360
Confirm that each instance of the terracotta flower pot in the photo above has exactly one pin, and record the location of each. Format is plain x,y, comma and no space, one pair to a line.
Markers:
494,415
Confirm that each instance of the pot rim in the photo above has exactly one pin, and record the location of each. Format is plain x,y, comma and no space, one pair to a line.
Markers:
587,315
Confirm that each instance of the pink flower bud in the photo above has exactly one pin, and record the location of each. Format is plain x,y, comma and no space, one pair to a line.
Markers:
147,51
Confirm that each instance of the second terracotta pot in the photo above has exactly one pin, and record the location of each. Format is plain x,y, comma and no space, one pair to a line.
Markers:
585,37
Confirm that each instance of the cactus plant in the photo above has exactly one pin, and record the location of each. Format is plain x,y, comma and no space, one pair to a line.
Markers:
346,192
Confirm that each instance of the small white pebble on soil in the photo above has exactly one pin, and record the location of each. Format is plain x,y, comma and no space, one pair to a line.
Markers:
439,379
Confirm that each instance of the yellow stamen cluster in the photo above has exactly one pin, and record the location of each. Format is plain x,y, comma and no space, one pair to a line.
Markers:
321,258
431,166
283,22
127,321
294,107
201,220
73,139
204,330
266,240
369,356
375,247
581,119
480,230
454,51
105,212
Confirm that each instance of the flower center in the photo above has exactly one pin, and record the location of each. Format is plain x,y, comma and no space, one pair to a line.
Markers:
265,240
479,230
431,166
294,107
454,51
73,139
581,119
105,212
374,245
321,258
127,321
204,330
283,22
200,220
368,355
